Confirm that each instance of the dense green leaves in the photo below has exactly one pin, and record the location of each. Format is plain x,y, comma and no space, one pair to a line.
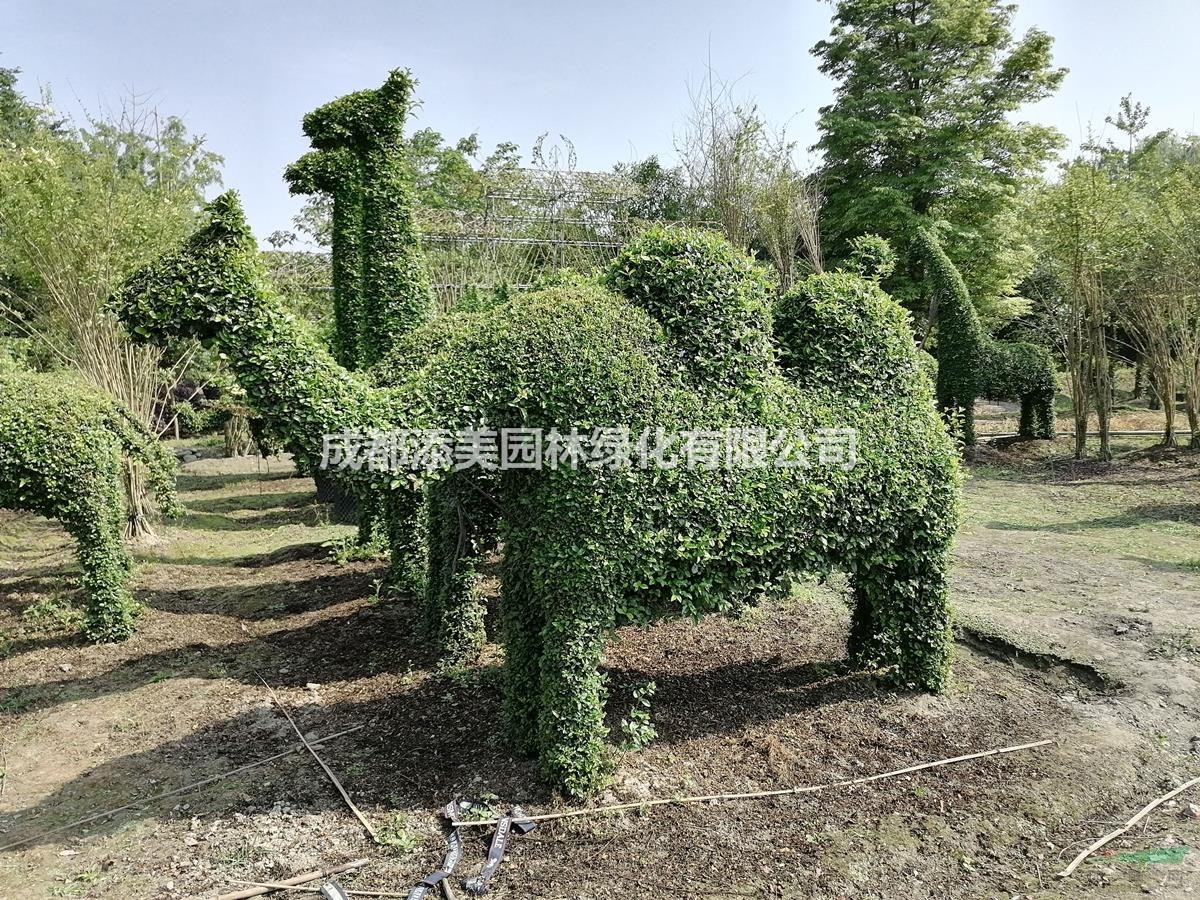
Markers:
971,364
920,129
381,291
683,345
62,448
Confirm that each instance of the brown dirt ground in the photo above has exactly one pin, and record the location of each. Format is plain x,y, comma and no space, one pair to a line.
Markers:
1078,586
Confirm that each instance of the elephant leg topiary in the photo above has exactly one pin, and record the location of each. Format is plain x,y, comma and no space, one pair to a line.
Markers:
521,622
462,531
63,448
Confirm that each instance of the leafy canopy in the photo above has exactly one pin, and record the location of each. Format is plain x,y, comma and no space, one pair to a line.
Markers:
920,128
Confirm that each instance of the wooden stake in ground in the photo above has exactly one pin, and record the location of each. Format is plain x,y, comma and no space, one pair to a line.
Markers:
1142,813
754,795
261,889
328,771
308,888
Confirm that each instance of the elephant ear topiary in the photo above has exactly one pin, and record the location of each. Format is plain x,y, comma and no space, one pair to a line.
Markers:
842,332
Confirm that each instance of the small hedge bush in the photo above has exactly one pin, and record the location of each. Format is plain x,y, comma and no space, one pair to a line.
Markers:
62,448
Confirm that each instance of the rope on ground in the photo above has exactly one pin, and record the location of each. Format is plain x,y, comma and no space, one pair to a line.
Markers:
1112,835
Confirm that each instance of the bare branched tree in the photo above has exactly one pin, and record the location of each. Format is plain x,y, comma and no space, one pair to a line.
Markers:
786,212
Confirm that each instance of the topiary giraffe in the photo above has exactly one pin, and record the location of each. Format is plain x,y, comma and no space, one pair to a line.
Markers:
972,364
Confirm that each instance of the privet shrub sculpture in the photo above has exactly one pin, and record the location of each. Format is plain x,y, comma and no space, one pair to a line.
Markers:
214,290
972,364
62,451
381,291
678,338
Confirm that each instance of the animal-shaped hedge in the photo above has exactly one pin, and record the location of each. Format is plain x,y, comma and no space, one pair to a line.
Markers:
381,291
971,363
678,338
62,446
380,288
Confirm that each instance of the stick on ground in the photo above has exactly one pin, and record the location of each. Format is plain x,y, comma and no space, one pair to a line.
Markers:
261,889
708,798
304,888
328,771
1142,813
187,787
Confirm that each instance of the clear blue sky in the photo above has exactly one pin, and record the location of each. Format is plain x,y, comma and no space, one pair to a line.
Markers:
613,76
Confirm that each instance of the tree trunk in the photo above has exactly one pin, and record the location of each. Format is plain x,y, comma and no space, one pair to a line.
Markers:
1080,405
1166,381
137,504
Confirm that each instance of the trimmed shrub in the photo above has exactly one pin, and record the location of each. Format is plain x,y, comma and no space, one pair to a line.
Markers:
63,446
682,344
359,160
972,364
871,256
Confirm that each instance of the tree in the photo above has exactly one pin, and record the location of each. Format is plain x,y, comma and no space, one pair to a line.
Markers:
82,209
1086,229
19,119
741,177
920,130
664,194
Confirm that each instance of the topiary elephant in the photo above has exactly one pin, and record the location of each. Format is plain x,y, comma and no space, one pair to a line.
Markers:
62,446
676,341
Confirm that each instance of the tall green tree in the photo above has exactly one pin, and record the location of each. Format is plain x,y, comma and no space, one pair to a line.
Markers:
921,129
19,118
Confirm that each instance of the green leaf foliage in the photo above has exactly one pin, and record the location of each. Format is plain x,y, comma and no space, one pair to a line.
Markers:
62,448
678,337
971,364
921,127
381,291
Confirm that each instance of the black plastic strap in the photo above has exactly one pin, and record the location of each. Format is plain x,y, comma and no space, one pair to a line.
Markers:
478,885
454,849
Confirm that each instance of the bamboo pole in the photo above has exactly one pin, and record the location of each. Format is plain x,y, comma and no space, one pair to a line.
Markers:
1112,835
753,795
328,771
172,793
290,882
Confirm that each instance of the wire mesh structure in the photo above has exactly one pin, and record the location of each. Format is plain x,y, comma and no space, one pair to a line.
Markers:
533,221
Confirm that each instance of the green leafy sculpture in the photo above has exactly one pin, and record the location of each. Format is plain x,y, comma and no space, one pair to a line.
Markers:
678,338
972,364
62,446
381,291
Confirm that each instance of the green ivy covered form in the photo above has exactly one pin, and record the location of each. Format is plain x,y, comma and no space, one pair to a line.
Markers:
972,364
336,173
586,550
361,139
62,448
214,289
684,342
